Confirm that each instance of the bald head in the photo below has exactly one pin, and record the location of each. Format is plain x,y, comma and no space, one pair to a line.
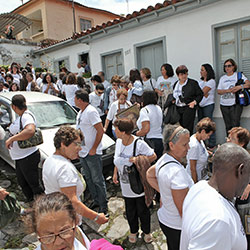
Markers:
230,155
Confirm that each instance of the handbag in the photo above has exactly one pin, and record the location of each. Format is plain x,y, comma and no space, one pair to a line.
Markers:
9,210
136,99
172,115
243,95
134,176
34,140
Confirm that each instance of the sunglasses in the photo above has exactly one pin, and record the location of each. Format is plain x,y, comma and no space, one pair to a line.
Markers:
228,66
100,92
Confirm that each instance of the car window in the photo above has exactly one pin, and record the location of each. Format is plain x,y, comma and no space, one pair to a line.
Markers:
52,114
4,115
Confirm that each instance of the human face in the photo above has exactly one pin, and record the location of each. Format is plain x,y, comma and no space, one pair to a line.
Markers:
71,152
48,78
163,72
99,92
180,148
204,135
143,77
14,70
14,87
118,133
232,137
229,68
29,78
183,77
122,99
115,85
203,73
54,223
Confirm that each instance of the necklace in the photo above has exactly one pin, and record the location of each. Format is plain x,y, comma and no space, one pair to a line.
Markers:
125,145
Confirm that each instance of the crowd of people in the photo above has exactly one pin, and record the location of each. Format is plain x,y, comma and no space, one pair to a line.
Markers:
196,211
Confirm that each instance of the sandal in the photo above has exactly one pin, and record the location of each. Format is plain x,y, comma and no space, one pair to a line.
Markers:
147,238
132,238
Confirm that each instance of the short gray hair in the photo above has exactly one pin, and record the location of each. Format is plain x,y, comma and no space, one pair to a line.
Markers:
172,133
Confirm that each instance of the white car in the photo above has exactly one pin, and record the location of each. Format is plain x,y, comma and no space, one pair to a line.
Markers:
51,112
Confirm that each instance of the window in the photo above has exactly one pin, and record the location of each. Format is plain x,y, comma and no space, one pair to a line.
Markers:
58,64
233,41
85,24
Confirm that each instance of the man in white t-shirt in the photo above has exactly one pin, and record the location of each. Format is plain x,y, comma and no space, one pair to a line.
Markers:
80,69
210,220
89,122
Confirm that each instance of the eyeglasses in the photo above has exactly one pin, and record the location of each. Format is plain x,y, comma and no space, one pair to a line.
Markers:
50,239
228,66
100,92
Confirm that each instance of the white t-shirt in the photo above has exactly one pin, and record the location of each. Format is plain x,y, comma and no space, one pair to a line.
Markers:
171,176
28,88
69,90
112,97
39,82
96,100
210,99
147,84
85,121
210,221
17,78
197,151
114,109
16,152
59,172
121,160
50,91
106,84
228,82
153,114
80,71
166,85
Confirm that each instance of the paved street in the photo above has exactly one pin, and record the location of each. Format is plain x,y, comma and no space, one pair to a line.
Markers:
116,230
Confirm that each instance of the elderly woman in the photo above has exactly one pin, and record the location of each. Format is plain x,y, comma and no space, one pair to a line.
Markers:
171,180
54,220
26,159
187,94
116,107
231,111
60,175
150,122
135,205
197,154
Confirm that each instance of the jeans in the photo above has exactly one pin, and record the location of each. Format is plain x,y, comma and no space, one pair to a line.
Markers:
136,209
28,176
92,170
207,111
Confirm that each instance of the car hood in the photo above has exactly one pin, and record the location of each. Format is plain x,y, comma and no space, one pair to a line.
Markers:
48,141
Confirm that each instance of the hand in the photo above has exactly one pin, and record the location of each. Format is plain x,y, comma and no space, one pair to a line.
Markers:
92,151
132,159
235,89
104,129
3,193
246,192
192,104
115,179
102,219
9,143
130,85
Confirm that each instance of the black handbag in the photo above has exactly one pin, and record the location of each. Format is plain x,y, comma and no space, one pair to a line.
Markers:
9,210
134,176
34,140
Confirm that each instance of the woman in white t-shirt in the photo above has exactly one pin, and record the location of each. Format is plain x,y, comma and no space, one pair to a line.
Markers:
172,181
135,205
150,122
135,86
165,83
49,85
149,83
60,175
26,159
231,111
197,154
16,74
116,107
54,220
206,106
69,90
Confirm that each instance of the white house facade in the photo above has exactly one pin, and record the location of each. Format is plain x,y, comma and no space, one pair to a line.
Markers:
190,32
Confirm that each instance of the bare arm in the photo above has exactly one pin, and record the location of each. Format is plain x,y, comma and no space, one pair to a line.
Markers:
205,90
98,138
178,197
245,85
223,91
151,178
25,134
151,158
81,208
3,193
144,130
193,164
107,121
115,180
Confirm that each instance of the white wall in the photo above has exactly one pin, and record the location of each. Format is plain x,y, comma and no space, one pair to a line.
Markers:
72,52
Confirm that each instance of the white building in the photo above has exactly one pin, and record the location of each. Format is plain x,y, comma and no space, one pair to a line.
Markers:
190,32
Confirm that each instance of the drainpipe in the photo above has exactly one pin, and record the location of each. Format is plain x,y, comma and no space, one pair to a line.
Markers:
74,16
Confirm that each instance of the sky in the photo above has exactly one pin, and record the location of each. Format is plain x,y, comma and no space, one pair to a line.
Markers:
115,6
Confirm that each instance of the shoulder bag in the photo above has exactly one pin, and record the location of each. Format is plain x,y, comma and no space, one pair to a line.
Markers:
34,140
134,176
243,95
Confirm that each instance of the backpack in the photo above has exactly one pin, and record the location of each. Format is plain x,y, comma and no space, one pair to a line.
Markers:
243,95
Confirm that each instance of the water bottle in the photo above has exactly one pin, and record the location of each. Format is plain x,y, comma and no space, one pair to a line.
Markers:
241,99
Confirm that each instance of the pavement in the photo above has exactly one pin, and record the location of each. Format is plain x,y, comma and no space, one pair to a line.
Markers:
116,230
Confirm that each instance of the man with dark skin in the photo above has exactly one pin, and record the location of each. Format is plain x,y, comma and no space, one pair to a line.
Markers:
210,220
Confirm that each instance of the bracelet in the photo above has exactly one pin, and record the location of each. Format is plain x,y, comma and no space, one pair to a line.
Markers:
97,217
242,87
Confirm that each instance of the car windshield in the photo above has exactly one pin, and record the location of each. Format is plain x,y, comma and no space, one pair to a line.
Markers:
52,113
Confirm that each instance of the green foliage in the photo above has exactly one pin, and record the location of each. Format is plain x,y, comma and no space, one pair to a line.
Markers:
6,67
87,75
